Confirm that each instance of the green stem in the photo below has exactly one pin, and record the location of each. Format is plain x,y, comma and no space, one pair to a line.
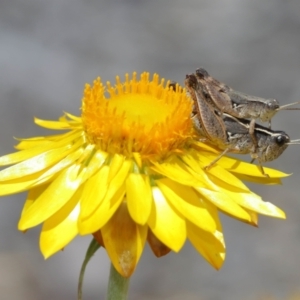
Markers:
93,247
117,285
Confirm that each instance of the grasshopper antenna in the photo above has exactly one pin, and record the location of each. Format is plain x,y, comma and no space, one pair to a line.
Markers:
294,142
284,107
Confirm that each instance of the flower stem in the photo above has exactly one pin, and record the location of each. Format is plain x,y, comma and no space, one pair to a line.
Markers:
117,285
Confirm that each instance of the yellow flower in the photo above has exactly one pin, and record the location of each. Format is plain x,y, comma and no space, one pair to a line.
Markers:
131,169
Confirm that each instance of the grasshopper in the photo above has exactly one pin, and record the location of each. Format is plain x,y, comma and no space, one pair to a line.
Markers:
231,134
238,104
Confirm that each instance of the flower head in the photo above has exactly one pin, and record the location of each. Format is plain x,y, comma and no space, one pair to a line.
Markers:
131,169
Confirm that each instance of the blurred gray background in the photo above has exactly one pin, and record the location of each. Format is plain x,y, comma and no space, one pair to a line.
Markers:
50,49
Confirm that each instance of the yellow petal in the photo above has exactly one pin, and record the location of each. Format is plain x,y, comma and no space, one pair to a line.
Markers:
167,224
225,203
207,244
103,213
74,118
138,159
35,142
13,188
197,162
37,163
24,183
34,151
119,179
237,166
115,165
62,164
188,202
139,197
78,154
52,124
38,141
178,172
61,228
253,202
32,195
206,147
218,184
94,191
22,155
113,197
220,174
124,241
54,197
95,163
260,180
254,218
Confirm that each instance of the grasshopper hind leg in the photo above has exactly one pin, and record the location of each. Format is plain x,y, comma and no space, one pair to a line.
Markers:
255,154
260,166
216,159
252,135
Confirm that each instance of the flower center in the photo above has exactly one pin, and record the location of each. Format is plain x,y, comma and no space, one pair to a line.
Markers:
138,116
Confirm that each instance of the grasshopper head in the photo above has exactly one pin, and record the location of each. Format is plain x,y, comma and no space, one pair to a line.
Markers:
191,81
270,108
274,147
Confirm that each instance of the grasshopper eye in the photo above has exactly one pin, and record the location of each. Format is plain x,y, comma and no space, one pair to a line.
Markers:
273,105
281,140
202,73
191,80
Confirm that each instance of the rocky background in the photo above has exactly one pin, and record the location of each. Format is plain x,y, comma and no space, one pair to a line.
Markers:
49,49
